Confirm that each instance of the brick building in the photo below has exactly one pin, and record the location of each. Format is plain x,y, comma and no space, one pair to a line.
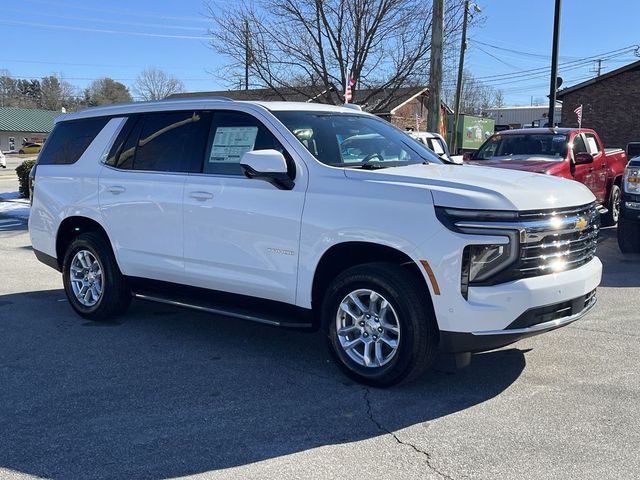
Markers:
403,107
610,105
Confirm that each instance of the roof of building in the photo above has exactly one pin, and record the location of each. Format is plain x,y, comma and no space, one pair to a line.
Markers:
26,120
380,102
521,107
612,73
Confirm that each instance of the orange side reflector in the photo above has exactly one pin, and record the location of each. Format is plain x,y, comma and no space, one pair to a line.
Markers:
432,277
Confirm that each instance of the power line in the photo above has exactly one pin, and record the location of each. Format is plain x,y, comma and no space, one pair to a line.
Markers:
58,4
74,64
585,60
36,77
111,21
101,30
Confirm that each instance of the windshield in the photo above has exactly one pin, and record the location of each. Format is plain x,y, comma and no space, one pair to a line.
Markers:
355,141
523,146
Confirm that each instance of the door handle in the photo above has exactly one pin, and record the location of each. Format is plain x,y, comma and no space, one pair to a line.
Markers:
201,196
590,169
604,165
116,189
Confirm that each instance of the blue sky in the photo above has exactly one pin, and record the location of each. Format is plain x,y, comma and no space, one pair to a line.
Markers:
84,40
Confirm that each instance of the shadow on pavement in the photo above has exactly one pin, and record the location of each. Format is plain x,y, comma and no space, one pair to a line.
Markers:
166,392
619,270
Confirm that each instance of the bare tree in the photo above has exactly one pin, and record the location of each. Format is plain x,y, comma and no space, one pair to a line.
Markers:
55,93
476,95
8,89
384,44
155,84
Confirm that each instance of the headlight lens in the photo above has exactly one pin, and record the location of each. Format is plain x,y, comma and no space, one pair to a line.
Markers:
632,180
486,259
480,262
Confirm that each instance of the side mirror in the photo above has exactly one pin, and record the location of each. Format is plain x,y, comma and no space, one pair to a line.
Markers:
583,158
267,165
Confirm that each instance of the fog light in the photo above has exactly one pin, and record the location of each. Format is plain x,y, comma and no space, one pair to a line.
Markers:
632,205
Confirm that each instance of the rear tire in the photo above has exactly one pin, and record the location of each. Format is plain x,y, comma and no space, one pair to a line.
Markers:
628,236
95,287
407,322
611,218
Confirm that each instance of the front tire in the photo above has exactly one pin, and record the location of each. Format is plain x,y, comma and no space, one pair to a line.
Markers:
379,323
628,236
93,283
612,216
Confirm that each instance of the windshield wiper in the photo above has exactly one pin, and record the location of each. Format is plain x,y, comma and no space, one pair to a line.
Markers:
373,166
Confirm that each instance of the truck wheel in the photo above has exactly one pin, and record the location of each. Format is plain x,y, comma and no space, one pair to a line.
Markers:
628,236
379,326
92,280
610,218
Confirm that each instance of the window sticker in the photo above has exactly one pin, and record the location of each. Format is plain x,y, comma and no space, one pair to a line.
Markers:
593,146
230,143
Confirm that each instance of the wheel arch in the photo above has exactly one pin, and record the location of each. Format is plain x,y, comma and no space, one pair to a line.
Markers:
70,228
344,255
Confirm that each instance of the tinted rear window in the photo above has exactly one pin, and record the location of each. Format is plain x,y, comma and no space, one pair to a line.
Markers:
69,140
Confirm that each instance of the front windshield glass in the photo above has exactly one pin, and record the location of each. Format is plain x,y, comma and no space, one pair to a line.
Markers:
523,147
355,141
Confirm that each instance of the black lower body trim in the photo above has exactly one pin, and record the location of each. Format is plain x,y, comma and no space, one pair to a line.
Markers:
242,307
555,311
47,259
457,342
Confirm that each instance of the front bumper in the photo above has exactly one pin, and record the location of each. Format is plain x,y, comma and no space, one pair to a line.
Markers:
630,214
483,340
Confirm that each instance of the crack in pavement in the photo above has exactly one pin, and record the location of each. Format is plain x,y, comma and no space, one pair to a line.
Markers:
426,455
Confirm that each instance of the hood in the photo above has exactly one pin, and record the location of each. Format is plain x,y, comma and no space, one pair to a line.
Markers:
531,164
470,186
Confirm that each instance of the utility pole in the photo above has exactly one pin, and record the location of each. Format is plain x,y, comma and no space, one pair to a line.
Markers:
463,47
553,87
247,54
599,66
435,67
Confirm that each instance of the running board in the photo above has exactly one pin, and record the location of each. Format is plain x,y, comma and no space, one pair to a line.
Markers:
267,312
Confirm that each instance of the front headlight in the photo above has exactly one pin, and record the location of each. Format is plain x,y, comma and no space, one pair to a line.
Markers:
482,261
632,179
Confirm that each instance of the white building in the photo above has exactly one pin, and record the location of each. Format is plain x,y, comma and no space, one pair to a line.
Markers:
21,125
521,117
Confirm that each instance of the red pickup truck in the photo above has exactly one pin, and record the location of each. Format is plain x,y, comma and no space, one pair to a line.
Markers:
576,154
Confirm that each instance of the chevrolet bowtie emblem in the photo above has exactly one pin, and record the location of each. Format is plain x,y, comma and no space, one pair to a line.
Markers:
581,223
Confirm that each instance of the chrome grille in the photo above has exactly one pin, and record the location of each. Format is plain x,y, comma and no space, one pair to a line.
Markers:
555,241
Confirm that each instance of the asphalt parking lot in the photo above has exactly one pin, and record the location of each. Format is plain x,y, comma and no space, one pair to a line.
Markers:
166,393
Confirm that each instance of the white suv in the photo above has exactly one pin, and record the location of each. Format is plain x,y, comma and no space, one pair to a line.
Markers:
314,216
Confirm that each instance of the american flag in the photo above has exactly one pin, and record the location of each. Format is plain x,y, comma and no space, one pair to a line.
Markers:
578,112
347,89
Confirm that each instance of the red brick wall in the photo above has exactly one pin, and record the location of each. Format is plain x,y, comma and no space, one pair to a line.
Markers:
405,116
611,107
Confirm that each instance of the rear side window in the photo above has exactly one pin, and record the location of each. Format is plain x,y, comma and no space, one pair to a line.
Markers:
162,142
69,140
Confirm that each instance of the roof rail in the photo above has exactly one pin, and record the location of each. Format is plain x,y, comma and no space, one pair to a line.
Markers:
200,97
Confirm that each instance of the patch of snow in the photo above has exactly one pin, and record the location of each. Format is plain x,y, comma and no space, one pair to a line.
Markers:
15,209
10,196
